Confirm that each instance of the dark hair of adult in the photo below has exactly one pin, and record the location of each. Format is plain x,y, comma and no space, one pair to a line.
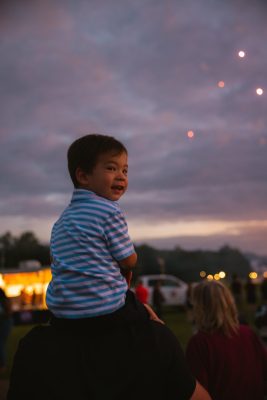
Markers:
84,152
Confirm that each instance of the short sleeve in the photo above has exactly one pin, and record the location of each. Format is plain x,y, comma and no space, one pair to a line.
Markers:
118,239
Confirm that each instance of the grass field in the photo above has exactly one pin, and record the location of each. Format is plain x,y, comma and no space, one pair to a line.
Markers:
176,319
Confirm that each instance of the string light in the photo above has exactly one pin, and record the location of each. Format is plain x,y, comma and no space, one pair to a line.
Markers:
241,54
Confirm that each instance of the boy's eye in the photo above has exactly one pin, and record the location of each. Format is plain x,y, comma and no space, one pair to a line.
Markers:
111,168
125,171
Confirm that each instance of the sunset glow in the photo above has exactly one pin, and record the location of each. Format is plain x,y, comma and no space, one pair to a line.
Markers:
139,230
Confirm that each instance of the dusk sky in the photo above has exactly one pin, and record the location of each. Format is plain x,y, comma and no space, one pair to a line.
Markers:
167,79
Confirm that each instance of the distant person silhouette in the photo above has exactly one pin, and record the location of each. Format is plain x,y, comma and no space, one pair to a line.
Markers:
157,298
237,289
263,289
141,292
189,305
250,289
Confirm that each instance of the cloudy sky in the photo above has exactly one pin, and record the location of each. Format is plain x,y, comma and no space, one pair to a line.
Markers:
166,78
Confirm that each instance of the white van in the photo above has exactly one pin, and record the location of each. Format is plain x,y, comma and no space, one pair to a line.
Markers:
173,289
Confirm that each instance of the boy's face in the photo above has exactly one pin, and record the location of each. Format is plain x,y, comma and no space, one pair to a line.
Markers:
109,176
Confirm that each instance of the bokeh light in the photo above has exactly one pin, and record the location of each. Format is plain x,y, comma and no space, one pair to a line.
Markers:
259,91
241,54
253,275
221,84
190,134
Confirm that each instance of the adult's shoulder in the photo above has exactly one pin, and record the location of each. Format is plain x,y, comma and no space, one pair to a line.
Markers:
161,330
164,337
37,335
42,342
199,342
246,333
199,336
245,330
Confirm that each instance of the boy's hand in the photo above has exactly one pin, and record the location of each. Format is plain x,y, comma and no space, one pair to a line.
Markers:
127,275
153,315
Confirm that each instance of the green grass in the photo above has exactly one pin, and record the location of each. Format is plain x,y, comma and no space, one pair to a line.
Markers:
16,334
177,321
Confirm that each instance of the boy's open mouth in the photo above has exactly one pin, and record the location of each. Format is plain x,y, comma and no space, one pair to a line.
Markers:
117,187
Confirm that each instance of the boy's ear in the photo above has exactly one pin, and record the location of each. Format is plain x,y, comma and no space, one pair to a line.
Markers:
82,176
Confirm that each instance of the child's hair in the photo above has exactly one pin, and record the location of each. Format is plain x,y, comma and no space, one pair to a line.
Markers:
84,152
214,308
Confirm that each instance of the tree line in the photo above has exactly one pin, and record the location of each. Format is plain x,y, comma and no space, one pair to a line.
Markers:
24,247
179,262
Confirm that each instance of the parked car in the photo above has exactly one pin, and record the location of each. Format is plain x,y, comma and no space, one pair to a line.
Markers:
173,289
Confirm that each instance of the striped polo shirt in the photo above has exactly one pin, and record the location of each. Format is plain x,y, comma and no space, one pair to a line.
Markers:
87,241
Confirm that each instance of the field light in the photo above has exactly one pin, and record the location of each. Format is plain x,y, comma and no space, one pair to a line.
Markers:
253,275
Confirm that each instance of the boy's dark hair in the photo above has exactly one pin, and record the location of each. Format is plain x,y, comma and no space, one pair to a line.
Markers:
84,152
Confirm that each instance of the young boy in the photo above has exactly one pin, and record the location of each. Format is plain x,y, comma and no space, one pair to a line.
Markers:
90,245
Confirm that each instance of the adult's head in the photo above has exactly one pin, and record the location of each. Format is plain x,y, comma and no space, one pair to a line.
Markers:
214,308
107,357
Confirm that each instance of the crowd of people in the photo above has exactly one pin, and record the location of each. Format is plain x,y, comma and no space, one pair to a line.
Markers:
246,291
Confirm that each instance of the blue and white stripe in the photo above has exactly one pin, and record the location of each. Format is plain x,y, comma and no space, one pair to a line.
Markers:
87,241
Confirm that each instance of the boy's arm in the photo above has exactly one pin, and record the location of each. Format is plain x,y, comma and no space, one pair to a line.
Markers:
152,314
129,262
200,393
126,266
